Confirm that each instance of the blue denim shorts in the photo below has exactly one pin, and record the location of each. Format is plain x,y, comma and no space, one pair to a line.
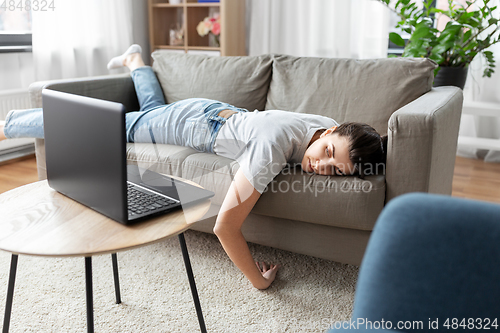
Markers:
215,122
192,123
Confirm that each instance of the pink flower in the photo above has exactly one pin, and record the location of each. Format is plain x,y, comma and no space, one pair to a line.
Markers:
209,24
216,28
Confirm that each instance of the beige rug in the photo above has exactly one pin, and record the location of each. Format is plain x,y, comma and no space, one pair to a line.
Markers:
308,295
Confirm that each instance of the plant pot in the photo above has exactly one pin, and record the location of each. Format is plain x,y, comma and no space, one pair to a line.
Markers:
451,76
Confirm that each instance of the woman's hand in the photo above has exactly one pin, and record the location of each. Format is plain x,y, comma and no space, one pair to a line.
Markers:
239,201
268,272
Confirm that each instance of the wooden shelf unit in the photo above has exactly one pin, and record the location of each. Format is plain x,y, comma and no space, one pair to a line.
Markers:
163,16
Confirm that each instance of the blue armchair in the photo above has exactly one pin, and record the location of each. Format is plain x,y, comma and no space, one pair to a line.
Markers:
432,264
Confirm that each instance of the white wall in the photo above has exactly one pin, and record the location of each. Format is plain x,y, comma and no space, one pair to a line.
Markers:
140,29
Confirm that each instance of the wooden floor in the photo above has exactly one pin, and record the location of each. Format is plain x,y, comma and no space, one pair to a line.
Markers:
476,179
16,173
472,179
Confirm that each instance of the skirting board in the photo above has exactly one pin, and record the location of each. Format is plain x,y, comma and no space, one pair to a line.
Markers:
17,151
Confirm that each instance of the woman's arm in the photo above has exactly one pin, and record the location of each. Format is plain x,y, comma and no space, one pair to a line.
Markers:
237,204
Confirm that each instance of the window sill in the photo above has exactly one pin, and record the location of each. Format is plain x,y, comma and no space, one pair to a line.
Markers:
16,49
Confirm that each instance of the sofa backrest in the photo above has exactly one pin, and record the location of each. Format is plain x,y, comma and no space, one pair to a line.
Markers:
240,81
366,91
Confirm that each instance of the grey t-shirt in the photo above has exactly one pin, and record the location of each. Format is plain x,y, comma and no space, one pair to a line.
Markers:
264,142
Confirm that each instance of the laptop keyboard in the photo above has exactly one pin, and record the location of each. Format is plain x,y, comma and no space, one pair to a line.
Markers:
140,202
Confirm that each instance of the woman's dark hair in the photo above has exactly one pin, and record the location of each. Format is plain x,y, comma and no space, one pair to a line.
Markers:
367,148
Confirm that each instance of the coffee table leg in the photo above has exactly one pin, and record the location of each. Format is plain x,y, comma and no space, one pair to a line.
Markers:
10,293
90,298
192,283
117,280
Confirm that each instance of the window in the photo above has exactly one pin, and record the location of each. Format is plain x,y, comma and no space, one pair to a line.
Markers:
15,30
393,48
393,20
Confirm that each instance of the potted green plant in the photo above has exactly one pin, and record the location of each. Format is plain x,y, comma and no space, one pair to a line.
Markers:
471,29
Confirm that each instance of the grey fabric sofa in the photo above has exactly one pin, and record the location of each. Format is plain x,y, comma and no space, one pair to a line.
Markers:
326,217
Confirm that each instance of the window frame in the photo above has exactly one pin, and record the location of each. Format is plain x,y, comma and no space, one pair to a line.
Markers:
15,42
393,49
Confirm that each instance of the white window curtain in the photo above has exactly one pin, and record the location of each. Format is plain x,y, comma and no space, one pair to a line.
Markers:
78,38
16,70
482,89
318,28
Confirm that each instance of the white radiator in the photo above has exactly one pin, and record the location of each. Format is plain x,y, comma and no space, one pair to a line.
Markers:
14,100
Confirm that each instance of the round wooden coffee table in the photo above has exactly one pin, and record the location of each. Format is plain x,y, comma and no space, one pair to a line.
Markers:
37,220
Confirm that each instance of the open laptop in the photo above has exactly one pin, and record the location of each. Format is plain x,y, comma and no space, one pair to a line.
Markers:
85,145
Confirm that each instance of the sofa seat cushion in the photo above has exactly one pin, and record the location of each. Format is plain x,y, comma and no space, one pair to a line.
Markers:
347,202
240,81
160,158
367,91
215,173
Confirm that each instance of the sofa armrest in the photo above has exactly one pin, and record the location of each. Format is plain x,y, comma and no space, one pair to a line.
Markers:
422,143
116,88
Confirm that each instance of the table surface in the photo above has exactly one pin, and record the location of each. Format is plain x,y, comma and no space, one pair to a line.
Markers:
37,220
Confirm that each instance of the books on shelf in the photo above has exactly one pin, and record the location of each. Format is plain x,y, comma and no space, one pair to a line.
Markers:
203,52
200,52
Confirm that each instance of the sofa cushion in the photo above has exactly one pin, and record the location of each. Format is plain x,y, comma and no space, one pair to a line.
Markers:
367,91
160,158
240,81
215,173
346,202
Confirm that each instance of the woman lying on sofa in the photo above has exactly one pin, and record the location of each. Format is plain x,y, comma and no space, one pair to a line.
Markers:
262,143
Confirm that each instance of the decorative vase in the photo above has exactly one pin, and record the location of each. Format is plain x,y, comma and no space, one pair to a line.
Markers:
176,35
213,40
451,76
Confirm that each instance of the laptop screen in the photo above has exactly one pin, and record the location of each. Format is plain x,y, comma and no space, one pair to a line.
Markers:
85,151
